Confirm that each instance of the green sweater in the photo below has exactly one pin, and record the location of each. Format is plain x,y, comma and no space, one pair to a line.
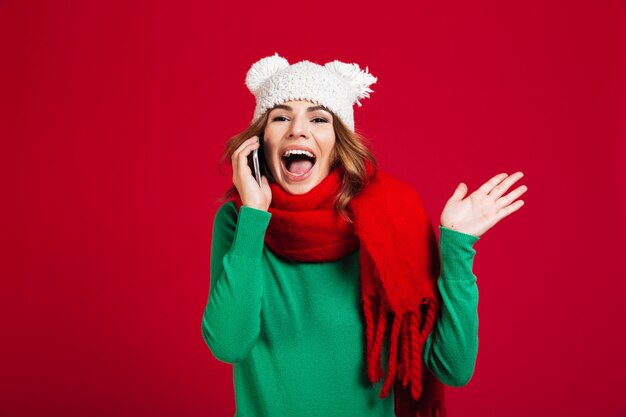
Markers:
294,331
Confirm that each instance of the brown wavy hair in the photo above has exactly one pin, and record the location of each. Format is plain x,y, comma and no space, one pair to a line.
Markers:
350,151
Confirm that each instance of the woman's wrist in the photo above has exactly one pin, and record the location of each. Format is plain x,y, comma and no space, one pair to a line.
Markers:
256,207
458,230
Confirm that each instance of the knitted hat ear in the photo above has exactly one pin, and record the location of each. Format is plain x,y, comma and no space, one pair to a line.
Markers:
264,69
360,80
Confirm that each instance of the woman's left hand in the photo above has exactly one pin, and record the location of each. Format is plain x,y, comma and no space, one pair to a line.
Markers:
481,210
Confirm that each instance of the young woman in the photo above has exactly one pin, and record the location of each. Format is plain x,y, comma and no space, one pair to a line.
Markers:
330,268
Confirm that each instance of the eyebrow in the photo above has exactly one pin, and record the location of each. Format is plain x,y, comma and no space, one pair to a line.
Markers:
309,109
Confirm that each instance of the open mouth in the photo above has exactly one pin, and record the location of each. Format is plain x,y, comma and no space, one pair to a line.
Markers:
298,162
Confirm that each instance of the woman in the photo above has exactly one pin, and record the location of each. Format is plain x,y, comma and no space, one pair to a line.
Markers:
332,264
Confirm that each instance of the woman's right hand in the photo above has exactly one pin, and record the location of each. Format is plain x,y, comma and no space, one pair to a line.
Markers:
251,194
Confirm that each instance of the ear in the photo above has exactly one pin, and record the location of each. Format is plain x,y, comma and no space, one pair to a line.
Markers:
264,69
360,80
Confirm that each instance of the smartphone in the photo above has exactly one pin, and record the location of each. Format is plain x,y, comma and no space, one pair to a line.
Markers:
256,171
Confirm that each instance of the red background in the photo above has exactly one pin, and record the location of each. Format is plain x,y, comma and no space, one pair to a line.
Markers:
113,118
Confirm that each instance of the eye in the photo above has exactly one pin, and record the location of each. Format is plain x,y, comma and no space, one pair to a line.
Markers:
283,118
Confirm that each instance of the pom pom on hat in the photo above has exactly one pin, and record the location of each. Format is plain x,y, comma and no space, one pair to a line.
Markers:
360,80
264,69
336,85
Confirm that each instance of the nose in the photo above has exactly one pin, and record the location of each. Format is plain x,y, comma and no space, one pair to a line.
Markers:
299,128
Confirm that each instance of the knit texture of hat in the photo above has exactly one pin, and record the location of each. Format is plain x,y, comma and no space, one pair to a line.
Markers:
336,85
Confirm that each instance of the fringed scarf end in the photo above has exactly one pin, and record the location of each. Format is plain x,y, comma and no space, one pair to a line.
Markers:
408,335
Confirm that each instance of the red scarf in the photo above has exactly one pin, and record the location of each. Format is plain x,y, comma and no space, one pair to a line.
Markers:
399,267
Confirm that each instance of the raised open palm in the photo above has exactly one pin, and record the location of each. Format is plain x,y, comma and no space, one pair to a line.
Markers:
481,210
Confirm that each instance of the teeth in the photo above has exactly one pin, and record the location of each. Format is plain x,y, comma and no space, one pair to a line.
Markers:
298,151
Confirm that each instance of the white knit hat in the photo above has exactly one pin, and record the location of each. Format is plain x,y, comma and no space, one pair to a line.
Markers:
336,85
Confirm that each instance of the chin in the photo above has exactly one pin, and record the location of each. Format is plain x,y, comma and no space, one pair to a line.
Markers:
299,184
298,189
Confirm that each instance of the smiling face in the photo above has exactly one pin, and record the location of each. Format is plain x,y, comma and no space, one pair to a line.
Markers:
298,143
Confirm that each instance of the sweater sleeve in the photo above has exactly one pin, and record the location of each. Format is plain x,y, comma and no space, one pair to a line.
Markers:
451,348
232,316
